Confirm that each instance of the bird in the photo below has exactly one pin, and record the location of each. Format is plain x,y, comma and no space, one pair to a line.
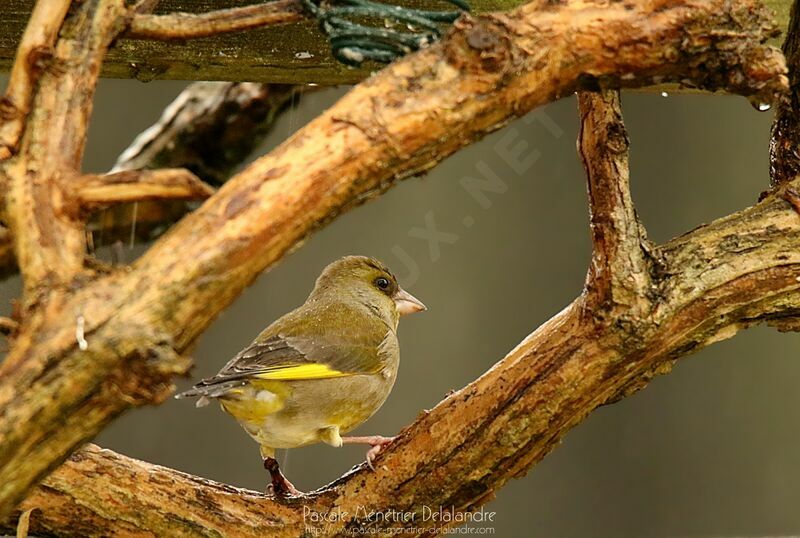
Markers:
319,371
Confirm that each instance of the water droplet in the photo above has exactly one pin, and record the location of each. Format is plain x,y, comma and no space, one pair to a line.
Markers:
664,94
759,105
304,55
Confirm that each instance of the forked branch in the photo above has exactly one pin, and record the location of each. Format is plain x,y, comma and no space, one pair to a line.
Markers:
49,241
738,271
33,54
210,129
619,273
402,121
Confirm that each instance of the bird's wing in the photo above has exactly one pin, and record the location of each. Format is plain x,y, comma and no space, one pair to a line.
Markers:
299,356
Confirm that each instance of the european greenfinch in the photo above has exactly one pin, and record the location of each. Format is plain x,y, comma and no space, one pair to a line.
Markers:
322,369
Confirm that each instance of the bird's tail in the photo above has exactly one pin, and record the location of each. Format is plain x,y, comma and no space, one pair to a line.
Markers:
206,392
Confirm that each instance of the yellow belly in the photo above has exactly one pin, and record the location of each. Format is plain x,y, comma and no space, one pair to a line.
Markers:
289,414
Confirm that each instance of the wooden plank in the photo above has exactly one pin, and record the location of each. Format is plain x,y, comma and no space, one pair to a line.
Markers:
293,54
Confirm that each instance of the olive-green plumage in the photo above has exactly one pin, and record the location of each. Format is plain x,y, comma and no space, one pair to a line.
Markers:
322,369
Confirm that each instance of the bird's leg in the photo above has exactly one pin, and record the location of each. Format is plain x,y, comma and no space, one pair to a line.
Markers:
376,443
281,487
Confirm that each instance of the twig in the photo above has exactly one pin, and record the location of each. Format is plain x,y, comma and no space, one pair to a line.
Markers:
210,129
618,274
36,46
24,523
193,25
97,191
8,326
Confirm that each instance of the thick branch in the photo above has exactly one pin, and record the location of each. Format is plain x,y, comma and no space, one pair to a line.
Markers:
400,122
735,272
32,56
260,55
152,505
619,272
48,240
94,191
210,129
193,25
784,155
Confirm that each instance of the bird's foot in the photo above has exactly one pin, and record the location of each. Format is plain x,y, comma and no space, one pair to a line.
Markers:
376,442
279,486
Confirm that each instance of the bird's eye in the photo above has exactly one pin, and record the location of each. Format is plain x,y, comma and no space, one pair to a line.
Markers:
382,283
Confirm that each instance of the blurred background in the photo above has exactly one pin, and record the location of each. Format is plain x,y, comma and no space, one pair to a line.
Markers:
709,450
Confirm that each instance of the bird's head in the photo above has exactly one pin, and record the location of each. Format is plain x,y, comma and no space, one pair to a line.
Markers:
370,282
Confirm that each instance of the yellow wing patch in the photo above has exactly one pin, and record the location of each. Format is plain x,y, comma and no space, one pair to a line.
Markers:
301,371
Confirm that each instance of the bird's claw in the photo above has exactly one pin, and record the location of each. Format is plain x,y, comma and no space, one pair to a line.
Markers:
279,486
375,449
285,490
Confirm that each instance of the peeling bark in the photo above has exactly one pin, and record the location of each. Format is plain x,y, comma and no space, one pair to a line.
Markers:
735,272
209,129
49,242
258,56
489,69
784,157
32,56
620,272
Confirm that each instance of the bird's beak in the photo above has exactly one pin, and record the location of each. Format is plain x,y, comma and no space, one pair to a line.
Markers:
407,303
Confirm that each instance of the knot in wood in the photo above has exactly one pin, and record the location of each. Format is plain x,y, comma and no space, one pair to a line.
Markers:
616,138
480,39
479,45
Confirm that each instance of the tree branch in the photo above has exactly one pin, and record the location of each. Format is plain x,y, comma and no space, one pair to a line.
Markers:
8,326
49,242
401,122
261,55
93,191
735,272
210,128
32,56
193,25
784,157
619,274
152,505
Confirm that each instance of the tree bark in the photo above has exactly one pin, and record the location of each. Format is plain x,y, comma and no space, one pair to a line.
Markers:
91,345
209,129
696,290
177,26
258,56
784,157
